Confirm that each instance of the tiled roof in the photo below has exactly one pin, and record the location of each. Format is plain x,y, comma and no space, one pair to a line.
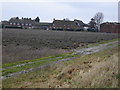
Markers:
64,24
80,22
45,23
67,24
14,20
111,23
5,22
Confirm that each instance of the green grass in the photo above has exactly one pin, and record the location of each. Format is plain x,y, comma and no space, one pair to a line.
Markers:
20,80
41,61
43,58
118,76
88,45
33,60
103,42
101,54
35,64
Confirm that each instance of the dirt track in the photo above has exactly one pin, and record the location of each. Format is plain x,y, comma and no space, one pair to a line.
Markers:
84,51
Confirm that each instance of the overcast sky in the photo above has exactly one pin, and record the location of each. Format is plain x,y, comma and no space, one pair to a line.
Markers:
48,10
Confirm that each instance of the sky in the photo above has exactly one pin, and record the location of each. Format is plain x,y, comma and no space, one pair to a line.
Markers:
47,10
119,12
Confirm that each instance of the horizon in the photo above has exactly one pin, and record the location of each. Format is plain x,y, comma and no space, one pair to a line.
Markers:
46,11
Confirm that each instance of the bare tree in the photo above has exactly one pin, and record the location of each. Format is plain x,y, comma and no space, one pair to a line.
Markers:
98,19
92,25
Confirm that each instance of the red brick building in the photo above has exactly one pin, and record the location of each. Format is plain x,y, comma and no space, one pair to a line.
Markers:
110,27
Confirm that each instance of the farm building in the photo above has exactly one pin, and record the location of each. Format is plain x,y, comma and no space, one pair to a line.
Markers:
110,27
75,25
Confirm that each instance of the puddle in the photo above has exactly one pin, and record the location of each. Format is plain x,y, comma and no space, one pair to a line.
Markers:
86,51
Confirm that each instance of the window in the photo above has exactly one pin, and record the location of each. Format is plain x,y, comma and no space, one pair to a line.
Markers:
26,24
76,23
10,23
22,24
30,24
18,23
14,23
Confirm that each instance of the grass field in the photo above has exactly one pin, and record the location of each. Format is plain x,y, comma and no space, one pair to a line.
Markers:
98,70
24,44
37,47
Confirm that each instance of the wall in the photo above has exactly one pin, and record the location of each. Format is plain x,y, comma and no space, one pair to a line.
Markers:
110,27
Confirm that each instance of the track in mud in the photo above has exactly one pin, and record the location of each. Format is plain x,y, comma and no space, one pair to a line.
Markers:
81,52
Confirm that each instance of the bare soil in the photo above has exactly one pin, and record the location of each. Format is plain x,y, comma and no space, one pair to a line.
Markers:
22,44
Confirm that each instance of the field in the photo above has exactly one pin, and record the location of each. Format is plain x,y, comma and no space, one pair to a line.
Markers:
24,44
97,70
59,59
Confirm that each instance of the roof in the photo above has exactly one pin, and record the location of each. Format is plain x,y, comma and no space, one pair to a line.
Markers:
45,23
111,23
63,22
14,20
67,24
5,22
79,22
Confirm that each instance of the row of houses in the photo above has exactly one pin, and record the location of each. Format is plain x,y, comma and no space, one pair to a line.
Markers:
27,23
24,23
65,24
76,25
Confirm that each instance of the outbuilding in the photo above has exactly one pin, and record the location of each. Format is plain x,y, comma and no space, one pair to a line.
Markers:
110,27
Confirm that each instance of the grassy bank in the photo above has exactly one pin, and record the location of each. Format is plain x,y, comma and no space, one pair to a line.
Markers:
102,42
98,70
12,67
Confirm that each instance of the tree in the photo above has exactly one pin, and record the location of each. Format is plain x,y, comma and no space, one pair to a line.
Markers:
98,19
37,19
17,17
92,25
